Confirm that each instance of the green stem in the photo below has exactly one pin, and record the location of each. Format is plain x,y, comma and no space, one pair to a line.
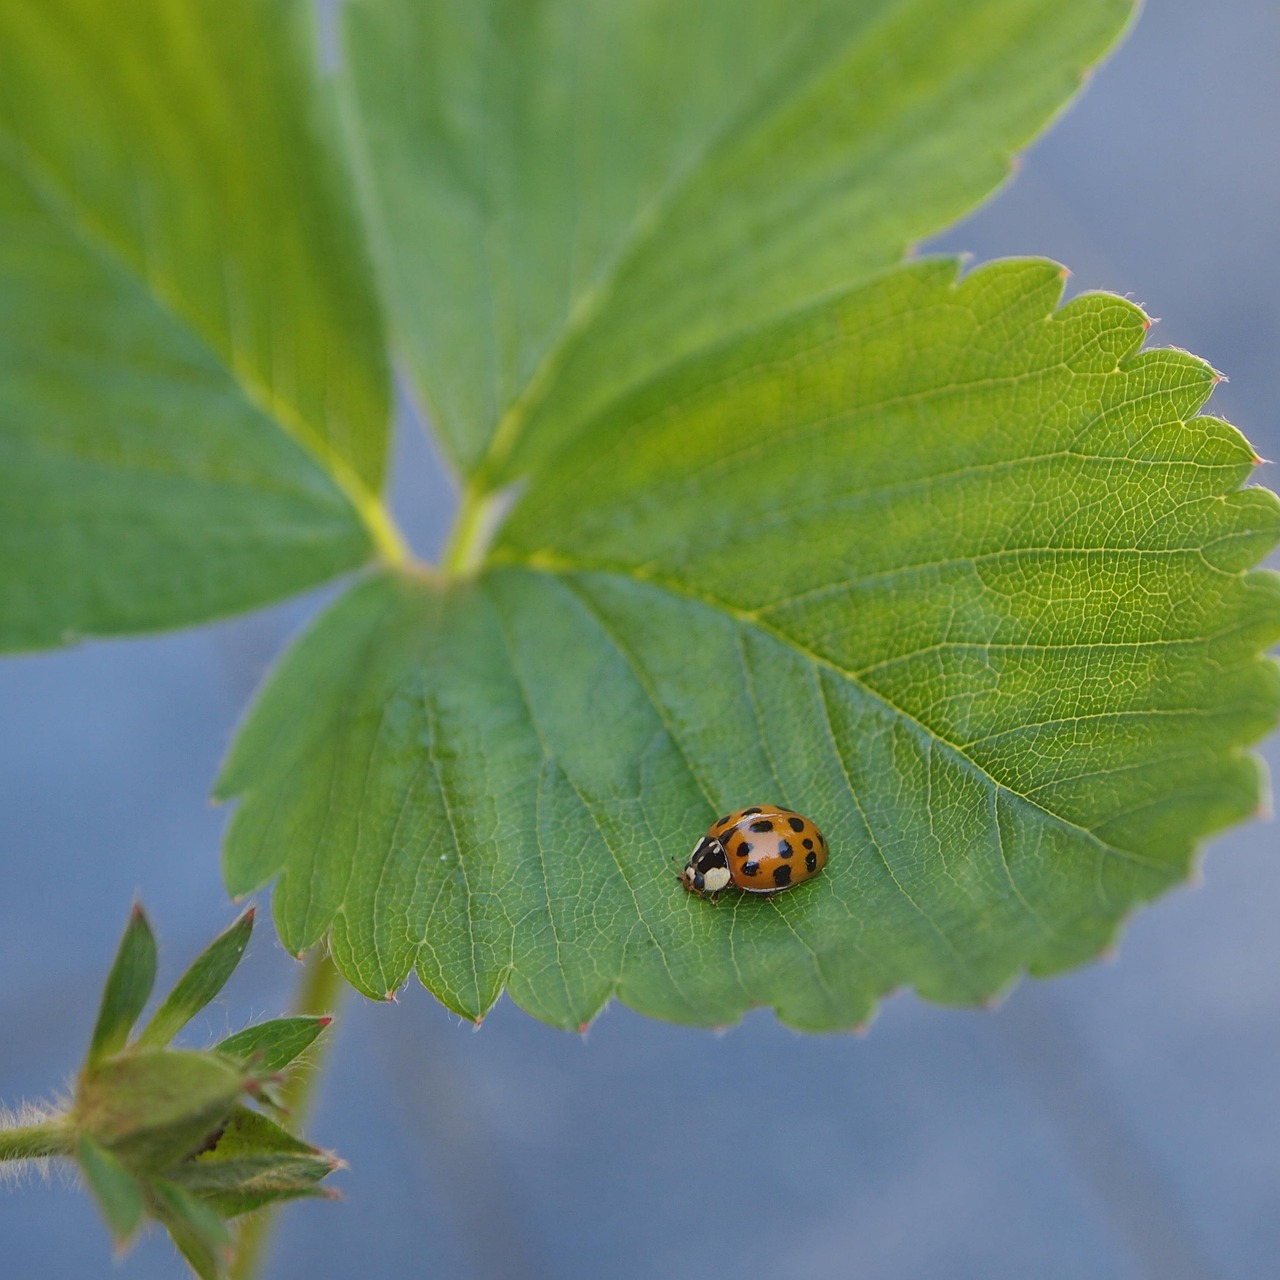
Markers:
35,1141
460,551
480,514
320,989
384,531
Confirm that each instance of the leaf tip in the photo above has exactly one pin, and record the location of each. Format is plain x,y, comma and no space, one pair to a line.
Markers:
1108,954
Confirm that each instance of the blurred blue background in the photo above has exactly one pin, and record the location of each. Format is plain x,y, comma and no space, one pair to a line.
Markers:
1122,1123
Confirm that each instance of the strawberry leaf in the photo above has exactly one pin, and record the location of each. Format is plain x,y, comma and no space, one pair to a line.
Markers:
193,389
959,575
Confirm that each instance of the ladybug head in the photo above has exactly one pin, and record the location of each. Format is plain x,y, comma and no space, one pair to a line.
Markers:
707,870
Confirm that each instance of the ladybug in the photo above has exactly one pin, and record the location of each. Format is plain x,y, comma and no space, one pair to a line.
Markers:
764,849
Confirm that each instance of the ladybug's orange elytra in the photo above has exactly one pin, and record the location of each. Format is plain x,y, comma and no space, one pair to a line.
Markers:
763,849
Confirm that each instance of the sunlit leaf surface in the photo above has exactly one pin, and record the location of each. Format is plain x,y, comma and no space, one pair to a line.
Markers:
570,196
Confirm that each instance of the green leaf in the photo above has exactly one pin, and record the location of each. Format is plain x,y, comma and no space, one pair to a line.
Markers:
250,1133
572,196
193,391
201,982
271,1046
197,1229
960,576
245,1186
113,1188
254,1162
133,974
152,1107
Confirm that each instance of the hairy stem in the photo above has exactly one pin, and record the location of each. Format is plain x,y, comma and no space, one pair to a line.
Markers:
35,1141
320,989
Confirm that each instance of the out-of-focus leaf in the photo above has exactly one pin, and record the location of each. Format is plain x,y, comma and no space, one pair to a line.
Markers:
113,1189
201,982
957,574
133,974
572,196
196,1228
193,392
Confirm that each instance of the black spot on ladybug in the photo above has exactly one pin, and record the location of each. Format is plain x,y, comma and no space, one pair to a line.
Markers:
723,822
750,868
781,876
796,824
810,861
808,844
742,850
784,849
822,840
746,811
763,825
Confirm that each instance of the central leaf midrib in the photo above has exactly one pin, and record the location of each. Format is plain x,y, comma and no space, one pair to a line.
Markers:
916,725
